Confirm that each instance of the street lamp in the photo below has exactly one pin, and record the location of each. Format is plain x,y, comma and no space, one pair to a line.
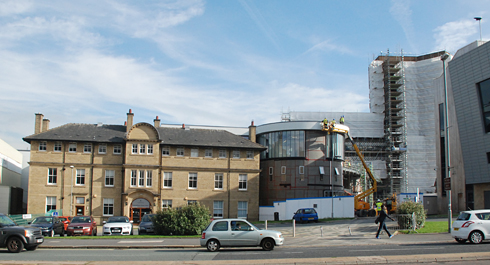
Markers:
71,192
479,21
444,57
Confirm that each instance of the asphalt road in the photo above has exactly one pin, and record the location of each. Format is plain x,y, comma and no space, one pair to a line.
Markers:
237,254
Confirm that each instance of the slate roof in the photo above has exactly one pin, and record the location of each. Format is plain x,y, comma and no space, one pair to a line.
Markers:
168,136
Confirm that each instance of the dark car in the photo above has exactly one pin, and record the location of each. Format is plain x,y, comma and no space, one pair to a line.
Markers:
306,215
82,226
49,225
146,225
15,238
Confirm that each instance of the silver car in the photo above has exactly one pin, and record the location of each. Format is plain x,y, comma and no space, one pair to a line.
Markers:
117,225
238,233
472,225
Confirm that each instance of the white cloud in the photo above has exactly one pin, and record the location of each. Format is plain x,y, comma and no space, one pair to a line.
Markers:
400,10
14,7
454,35
328,46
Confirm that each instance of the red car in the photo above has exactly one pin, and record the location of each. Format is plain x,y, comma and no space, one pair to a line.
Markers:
65,220
82,226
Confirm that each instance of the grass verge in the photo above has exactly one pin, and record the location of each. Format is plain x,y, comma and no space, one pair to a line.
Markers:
429,227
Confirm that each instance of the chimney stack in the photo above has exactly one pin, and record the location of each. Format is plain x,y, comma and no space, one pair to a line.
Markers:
156,122
129,123
45,125
252,133
38,125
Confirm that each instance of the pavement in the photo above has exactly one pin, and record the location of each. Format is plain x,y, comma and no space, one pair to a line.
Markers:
360,231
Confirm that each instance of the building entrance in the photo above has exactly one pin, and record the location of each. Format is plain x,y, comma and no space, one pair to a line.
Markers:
139,208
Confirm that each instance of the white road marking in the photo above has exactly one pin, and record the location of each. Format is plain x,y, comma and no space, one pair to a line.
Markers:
395,249
141,241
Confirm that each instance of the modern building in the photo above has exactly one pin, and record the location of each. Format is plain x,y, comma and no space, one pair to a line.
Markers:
468,87
403,89
134,169
10,180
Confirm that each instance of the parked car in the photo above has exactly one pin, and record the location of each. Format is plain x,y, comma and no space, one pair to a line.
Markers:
82,226
15,238
146,225
65,220
49,225
306,215
117,225
472,225
238,233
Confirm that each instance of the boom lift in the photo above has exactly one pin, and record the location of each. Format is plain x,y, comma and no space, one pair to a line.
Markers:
359,204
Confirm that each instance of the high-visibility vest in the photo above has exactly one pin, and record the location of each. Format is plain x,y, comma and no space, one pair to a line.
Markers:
379,205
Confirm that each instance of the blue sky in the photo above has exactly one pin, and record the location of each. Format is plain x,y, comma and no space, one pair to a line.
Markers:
220,62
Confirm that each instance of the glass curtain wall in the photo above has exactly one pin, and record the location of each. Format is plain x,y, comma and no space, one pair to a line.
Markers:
283,144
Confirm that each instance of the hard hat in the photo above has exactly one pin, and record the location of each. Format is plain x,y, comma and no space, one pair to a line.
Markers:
379,200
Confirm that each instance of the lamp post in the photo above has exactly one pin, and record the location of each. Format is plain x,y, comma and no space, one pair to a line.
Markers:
71,192
479,21
444,57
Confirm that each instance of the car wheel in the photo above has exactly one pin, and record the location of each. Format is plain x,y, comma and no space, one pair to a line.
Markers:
31,248
15,245
476,237
213,245
52,233
461,241
268,244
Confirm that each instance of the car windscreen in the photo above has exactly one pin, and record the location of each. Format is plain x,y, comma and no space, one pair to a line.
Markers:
118,220
147,218
6,221
483,216
42,220
310,211
80,220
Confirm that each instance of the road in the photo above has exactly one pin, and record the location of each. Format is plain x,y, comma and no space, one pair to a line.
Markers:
241,254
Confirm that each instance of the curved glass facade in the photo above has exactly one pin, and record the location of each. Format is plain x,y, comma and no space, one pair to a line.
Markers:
283,144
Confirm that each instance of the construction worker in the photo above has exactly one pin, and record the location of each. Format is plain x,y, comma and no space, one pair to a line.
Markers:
379,206
333,123
325,121
342,119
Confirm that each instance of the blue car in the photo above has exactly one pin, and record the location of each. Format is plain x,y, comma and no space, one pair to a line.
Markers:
49,225
305,215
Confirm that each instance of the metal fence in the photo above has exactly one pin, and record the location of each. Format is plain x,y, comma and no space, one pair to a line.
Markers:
24,219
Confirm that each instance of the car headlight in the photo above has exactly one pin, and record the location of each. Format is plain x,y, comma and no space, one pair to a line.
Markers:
44,228
86,228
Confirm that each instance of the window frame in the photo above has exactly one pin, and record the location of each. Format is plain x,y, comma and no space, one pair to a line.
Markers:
180,152
149,149
167,179
102,149
117,149
218,181
133,182
108,207
208,153
109,178
87,148
141,178
165,150
48,203
242,182
43,146
72,147
52,176
192,183
250,154
222,153
149,179
166,204
218,209
241,209
142,149
236,154
134,149
194,152
57,147
79,178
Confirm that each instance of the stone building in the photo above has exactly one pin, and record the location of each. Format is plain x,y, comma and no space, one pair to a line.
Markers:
134,169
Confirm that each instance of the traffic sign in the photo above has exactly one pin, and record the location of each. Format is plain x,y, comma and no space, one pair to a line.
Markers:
54,213
447,184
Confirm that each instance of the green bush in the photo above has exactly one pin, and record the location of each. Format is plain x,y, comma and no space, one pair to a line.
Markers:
405,211
188,220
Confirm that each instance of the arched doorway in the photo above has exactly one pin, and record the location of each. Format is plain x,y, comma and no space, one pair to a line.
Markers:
139,207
